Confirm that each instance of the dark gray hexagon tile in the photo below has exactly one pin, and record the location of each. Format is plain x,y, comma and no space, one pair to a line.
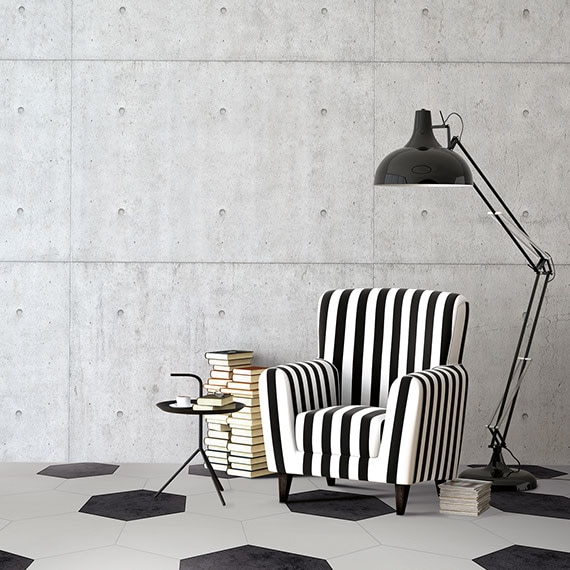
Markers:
9,561
536,470
199,469
554,506
521,557
134,505
347,506
250,557
77,470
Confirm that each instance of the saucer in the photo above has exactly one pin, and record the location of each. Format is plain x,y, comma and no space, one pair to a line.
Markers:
175,405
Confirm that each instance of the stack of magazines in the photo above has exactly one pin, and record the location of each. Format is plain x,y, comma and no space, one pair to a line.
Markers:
464,497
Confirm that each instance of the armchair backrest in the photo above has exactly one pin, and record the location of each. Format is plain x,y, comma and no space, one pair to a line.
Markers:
373,336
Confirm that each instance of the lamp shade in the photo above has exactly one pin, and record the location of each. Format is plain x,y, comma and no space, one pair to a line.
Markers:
423,160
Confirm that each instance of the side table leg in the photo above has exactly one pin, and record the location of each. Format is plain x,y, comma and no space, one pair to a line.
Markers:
177,472
214,477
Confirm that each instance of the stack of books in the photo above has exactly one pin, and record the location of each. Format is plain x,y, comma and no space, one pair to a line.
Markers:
464,497
222,363
247,451
218,434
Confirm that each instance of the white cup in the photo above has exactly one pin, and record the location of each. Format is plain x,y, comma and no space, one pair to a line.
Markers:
183,401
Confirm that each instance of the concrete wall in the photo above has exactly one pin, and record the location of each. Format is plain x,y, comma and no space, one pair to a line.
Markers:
189,175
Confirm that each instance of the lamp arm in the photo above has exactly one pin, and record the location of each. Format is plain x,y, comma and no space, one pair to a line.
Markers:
509,222
541,263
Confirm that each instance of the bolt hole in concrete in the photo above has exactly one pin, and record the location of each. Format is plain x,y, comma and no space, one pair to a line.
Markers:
121,110
525,416
526,12
120,312
222,313
22,9
122,9
223,10
20,211
425,11
324,11
424,213
323,213
323,112
19,312
20,110
525,214
18,413
222,111
525,113
120,414
121,212
222,212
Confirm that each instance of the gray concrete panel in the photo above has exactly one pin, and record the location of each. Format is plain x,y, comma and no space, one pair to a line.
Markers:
134,324
520,141
35,30
34,160
34,361
498,296
239,162
512,31
238,30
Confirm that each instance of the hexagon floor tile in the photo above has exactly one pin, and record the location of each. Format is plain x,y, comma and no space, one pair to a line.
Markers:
77,470
250,557
199,469
9,561
134,505
108,557
536,470
520,557
347,506
553,506
61,534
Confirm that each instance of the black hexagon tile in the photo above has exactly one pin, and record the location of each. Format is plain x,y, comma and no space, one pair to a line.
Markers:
199,469
520,557
347,506
77,470
9,561
554,506
250,557
134,505
536,470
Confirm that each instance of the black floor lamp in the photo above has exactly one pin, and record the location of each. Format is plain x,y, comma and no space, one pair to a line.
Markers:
423,161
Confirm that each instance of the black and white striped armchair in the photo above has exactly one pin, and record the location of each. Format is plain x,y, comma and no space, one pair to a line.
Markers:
385,400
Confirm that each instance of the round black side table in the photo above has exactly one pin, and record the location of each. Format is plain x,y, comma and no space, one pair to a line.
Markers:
167,406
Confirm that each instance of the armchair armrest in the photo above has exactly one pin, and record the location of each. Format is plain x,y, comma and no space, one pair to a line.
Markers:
424,425
285,391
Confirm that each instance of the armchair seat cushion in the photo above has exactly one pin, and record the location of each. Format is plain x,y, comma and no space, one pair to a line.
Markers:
341,430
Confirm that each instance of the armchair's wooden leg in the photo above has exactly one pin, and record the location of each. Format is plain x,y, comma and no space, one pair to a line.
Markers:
439,482
285,481
402,492
330,481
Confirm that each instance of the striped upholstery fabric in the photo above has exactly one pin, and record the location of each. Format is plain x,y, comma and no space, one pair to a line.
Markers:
340,430
385,400
373,336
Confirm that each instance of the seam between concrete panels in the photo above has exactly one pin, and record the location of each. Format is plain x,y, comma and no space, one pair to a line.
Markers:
70,285
301,61
374,149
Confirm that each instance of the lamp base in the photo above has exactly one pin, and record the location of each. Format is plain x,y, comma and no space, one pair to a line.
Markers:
501,476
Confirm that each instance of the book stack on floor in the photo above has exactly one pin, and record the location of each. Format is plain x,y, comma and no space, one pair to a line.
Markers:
218,434
464,497
222,363
247,451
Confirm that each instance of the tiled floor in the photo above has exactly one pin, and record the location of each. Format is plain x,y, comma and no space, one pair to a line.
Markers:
70,517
